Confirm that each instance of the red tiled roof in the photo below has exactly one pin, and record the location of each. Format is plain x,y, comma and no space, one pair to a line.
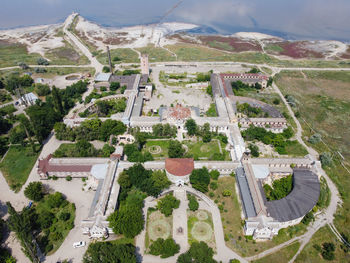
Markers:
45,166
179,166
179,112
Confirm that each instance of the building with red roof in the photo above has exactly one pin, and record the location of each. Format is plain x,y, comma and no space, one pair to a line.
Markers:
178,170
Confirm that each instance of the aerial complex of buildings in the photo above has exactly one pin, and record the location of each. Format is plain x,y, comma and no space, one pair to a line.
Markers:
263,219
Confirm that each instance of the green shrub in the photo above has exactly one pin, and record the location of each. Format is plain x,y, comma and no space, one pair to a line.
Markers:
214,174
69,178
164,248
213,185
34,191
226,192
192,203
167,204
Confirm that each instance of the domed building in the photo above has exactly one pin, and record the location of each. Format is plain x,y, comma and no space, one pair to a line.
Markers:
178,170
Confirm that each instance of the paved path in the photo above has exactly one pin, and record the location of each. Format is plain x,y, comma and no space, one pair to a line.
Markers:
180,220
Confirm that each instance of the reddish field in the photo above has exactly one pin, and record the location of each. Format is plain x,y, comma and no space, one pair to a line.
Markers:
296,49
219,42
346,55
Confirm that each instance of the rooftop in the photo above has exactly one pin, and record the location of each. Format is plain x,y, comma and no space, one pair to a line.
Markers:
103,77
304,196
179,112
179,166
46,166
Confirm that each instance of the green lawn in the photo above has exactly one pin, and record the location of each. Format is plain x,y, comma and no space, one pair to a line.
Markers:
200,150
12,54
310,254
153,146
281,256
295,149
17,165
126,55
211,112
197,150
192,52
200,229
156,54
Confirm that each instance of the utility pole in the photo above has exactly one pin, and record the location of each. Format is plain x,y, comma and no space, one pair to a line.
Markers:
109,59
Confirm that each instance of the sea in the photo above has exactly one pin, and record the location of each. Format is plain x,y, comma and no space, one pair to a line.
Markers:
297,19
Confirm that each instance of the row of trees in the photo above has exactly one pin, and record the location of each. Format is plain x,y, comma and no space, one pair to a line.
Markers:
239,86
136,183
279,141
91,129
83,149
251,112
204,131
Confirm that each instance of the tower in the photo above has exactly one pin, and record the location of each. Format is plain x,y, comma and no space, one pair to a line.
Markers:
144,64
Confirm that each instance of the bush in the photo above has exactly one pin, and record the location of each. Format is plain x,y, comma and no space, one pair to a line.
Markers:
42,61
55,200
276,101
214,174
326,159
254,150
69,178
308,218
328,249
114,86
34,191
192,203
164,248
315,138
226,192
213,185
167,204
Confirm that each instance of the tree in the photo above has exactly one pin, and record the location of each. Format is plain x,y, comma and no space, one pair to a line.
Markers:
192,202
106,69
167,204
34,191
128,220
5,125
206,134
254,150
191,127
160,180
108,252
328,249
114,86
175,149
57,100
326,159
42,89
22,224
214,174
42,61
107,150
55,200
165,248
199,252
315,138
200,179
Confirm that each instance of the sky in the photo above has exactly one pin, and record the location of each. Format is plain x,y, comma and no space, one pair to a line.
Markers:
295,19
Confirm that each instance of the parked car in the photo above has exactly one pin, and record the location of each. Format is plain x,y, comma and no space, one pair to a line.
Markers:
79,244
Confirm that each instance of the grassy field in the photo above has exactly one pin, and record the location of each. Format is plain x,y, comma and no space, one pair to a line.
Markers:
156,54
17,165
12,54
158,226
191,52
281,256
125,55
200,227
233,224
66,55
198,150
323,100
310,254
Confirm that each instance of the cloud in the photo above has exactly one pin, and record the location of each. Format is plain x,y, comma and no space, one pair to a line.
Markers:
208,13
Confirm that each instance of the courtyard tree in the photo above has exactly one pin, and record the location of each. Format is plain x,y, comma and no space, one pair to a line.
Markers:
192,202
200,179
34,191
167,204
164,248
254,150
214,174
191,127
114,86
175,149
160,180
199,252
57,100
206,134
109,252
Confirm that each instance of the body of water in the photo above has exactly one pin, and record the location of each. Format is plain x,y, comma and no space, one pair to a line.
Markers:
297,19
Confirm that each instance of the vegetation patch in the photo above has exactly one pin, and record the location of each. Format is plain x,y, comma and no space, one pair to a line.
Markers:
13,54
126,55
17,165
200,227
211,112
157,54
283,255
280,188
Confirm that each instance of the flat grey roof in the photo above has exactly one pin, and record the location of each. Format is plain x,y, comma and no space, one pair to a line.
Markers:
137,109
124,80
247,200
304,196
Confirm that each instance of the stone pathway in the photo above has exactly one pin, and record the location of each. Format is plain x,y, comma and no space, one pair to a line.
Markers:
180,220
